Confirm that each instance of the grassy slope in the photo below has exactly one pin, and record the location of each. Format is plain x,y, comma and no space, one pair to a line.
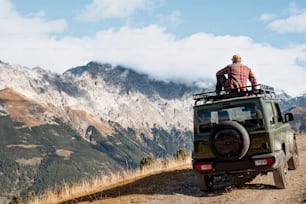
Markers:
37,157
45,156
75,192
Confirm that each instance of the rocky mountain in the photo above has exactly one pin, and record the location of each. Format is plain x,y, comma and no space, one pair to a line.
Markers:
296,105
92,119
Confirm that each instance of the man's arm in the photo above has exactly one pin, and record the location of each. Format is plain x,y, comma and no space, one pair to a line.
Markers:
252,79
223,71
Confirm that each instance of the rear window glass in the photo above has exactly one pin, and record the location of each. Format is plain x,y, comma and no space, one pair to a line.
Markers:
247,115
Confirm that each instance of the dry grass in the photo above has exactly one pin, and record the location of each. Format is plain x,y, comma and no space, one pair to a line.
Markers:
68,192
64,153
29,162
19,108
26,146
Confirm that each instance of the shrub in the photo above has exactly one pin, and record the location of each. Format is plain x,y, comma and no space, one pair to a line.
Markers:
181,154
16,200
30,196
147,161
165,163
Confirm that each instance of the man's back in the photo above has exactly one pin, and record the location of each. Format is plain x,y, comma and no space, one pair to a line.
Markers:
241,74
237,76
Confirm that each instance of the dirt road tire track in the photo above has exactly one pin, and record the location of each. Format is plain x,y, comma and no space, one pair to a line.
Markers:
179,187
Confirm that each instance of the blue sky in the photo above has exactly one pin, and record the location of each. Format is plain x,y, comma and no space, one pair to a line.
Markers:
168,39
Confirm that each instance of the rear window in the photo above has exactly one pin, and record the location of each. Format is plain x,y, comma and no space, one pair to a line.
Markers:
247,115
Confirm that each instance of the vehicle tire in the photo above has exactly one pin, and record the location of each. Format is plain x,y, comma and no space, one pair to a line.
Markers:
280,174
294,161
230,140
204,182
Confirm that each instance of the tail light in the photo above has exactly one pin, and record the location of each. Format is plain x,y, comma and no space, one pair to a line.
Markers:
264,161
203,167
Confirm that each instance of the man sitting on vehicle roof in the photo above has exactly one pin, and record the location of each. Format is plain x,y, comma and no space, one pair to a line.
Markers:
237,77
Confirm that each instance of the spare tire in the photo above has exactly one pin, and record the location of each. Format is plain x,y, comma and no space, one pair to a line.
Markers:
229,140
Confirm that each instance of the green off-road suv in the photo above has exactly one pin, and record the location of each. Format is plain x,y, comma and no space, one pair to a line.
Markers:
240,135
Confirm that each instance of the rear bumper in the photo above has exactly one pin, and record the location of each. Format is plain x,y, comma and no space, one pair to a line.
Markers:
255,163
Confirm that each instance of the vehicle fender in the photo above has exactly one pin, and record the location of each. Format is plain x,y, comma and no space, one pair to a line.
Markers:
292,139
278,144
278,158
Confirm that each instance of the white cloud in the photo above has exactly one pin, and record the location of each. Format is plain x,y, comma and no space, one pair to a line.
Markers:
6,8
102,9
293,10
150,49
293,24
268,17
39,14
14,25
172,19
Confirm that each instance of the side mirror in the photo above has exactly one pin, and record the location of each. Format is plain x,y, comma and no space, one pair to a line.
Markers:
288,117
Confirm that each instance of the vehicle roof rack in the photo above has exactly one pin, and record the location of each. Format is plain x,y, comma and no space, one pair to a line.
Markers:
260,90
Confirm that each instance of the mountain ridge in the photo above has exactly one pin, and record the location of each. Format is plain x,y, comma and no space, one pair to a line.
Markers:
129,80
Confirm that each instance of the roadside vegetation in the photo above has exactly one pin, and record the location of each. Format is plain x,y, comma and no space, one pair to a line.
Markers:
147,166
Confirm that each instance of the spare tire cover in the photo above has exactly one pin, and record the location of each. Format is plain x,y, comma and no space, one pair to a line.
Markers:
230,140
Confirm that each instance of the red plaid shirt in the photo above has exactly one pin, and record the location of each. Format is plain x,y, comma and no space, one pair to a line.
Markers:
238,76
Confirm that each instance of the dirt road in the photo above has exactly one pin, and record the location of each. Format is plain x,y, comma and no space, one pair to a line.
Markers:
179,187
